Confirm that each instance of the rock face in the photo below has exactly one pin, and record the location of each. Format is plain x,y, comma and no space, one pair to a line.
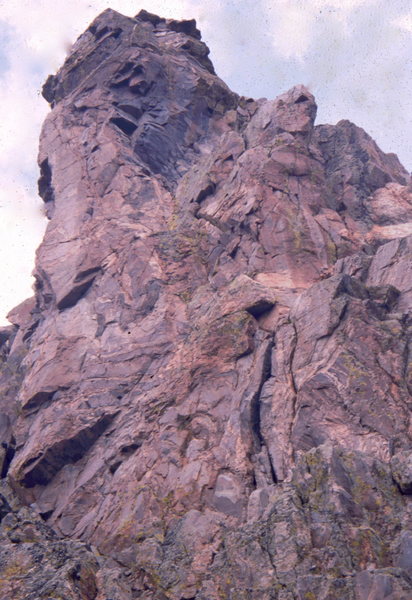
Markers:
209,396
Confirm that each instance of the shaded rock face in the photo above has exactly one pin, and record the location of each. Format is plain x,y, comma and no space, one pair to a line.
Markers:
210,395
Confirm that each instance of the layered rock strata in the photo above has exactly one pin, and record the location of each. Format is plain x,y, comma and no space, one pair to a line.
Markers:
209,395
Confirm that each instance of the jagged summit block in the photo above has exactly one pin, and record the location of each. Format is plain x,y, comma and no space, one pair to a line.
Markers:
209,395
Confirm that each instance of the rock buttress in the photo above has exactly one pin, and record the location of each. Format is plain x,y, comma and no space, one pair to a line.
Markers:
212,385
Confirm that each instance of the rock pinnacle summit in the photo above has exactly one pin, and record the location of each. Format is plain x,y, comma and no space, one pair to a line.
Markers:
209,395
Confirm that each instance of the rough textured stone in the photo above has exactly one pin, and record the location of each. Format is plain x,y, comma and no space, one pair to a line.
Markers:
209,395
401,465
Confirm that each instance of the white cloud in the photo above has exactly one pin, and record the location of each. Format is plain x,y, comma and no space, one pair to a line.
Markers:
20,225
292,35
404,22
293,22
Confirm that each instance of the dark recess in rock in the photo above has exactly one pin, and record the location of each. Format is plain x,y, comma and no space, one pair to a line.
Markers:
128,127
9,449
41,469
81,284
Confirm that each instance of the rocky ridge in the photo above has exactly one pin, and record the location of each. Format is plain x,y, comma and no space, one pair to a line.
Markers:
209,395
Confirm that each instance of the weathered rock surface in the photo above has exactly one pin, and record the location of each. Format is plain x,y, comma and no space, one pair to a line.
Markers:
210,394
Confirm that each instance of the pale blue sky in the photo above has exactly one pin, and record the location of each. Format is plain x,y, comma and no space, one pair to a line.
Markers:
354,55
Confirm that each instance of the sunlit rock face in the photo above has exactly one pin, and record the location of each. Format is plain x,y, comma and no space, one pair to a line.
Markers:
209,396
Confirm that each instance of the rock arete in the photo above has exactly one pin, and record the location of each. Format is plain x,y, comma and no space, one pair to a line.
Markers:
209,395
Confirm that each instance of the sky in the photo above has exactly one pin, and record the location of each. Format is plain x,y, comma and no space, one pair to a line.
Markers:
354,55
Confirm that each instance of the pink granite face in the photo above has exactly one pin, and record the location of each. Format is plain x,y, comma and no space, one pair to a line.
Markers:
214,374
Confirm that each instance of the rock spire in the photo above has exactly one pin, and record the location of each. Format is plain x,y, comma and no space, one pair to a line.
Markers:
209,395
